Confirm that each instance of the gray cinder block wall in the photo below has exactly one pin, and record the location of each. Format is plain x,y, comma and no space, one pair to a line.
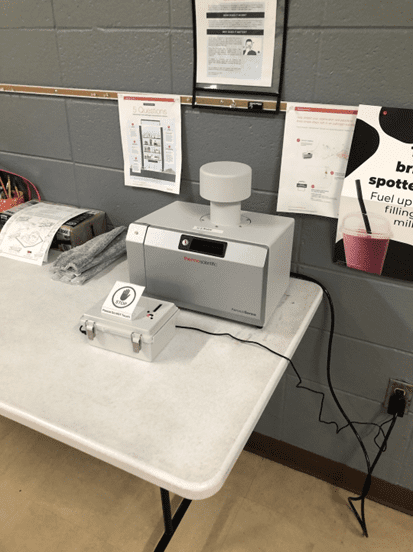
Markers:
338,53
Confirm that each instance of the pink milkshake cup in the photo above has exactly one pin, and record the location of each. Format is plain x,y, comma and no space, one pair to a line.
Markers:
365,251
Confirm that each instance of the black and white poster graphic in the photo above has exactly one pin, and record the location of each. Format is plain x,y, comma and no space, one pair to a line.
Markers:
235,41
375,225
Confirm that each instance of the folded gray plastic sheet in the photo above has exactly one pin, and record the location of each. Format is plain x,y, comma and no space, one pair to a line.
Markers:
80,264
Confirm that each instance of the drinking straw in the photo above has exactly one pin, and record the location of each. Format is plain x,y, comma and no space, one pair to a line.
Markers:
363,207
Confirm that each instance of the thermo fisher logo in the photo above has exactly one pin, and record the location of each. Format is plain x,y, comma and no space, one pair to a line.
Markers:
210,263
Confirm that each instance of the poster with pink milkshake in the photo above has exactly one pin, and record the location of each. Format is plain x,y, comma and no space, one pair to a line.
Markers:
375,224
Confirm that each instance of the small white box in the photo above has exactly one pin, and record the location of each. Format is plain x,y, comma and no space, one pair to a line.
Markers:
143,338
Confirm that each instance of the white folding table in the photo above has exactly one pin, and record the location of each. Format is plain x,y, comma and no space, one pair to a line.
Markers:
179,422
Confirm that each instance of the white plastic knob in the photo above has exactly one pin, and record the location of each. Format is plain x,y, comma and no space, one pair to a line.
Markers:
225,184
225,181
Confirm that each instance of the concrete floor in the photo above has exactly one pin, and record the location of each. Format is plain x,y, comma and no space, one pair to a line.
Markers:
57,499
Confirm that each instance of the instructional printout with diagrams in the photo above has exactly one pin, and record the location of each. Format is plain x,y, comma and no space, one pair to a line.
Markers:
151,141
28,234
317,141
235,41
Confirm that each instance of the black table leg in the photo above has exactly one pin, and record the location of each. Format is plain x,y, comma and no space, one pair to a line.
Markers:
167,516
171,523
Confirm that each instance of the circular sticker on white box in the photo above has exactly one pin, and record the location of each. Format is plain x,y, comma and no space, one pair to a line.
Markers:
123,297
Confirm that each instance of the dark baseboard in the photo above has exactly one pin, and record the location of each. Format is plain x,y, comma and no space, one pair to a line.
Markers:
340,475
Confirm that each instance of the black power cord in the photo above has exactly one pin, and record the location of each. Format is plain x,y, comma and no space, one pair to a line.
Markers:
382,448
370,467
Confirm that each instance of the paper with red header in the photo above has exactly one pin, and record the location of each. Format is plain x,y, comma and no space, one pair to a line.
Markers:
317,141
151,140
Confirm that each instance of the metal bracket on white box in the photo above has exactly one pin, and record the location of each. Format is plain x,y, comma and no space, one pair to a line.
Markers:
90,329
136,342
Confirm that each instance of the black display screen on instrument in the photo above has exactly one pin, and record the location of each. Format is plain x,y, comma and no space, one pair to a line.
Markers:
201,245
